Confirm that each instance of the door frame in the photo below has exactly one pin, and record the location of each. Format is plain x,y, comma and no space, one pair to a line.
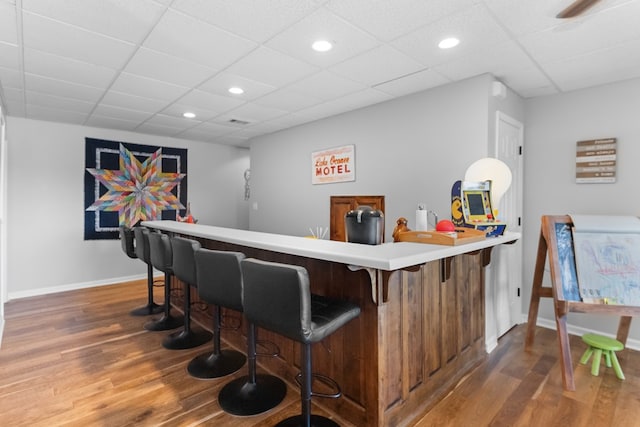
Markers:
517,185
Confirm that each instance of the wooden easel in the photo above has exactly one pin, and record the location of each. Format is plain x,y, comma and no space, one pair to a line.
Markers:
548,245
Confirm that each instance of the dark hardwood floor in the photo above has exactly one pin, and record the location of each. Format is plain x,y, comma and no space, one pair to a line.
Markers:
78,359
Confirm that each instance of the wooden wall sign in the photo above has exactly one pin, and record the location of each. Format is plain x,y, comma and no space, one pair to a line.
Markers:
333,165
596,161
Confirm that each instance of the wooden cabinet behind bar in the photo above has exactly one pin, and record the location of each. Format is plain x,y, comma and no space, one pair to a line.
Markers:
341,205
397,359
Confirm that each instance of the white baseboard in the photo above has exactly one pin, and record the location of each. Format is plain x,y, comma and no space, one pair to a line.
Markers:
490,343
72,287
576,330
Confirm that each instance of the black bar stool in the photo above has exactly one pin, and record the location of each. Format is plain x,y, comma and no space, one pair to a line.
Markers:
253,393
142,253
162,259
219,284
277,297
184,268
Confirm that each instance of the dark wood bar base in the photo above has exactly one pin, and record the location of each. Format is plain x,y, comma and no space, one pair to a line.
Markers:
400,357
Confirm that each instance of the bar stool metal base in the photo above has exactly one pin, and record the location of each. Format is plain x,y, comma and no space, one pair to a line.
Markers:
165,323
316,421
183,340
241,397
210,365
147,310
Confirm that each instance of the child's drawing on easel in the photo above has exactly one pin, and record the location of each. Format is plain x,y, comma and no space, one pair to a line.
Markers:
608,266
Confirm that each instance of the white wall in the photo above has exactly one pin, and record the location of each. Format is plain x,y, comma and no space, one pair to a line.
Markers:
410,150
46,250
553,126
3,225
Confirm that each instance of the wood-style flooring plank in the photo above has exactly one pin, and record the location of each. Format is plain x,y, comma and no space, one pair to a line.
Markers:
78,359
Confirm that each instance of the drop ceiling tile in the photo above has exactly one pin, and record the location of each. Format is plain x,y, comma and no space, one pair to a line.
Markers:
283,122
128,101
194,135
72,42
158,129
220,84
8,29
589,34
61,88
497,60
416,82
186,37
288,99
208,130
120,19
274,125
249,132
177,110
210,102
160,66
474,27
38,112
524,17
377,66
110,123
231,120
147,88
179,123
320,111
390,19
326,85
360,99
233,140
9,56
75,50
255,20
253,113
10,78
529,82
347,39
14,101
70,70
596,68
53,102
108,111
273,68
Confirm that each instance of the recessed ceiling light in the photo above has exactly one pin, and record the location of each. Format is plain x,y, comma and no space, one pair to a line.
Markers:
448,43
322,46
189,115
236,90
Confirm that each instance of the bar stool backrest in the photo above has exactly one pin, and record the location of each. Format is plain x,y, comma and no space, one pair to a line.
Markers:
219,277
277,297
161,254
142,244
184,263
126,240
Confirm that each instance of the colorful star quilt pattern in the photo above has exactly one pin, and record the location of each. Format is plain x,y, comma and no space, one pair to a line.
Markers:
129,184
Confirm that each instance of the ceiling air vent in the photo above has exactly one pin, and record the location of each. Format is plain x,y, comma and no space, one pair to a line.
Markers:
238,122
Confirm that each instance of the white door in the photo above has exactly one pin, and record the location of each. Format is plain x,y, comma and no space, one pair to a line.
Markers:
507,259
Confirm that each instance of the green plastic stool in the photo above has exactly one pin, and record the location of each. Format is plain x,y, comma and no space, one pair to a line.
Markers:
602,345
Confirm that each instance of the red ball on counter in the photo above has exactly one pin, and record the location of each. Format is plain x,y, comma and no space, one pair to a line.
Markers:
445,225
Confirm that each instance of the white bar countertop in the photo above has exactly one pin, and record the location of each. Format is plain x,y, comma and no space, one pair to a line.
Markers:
387,256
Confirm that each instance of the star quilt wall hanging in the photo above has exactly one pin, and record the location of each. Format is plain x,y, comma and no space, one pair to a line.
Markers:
127,183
